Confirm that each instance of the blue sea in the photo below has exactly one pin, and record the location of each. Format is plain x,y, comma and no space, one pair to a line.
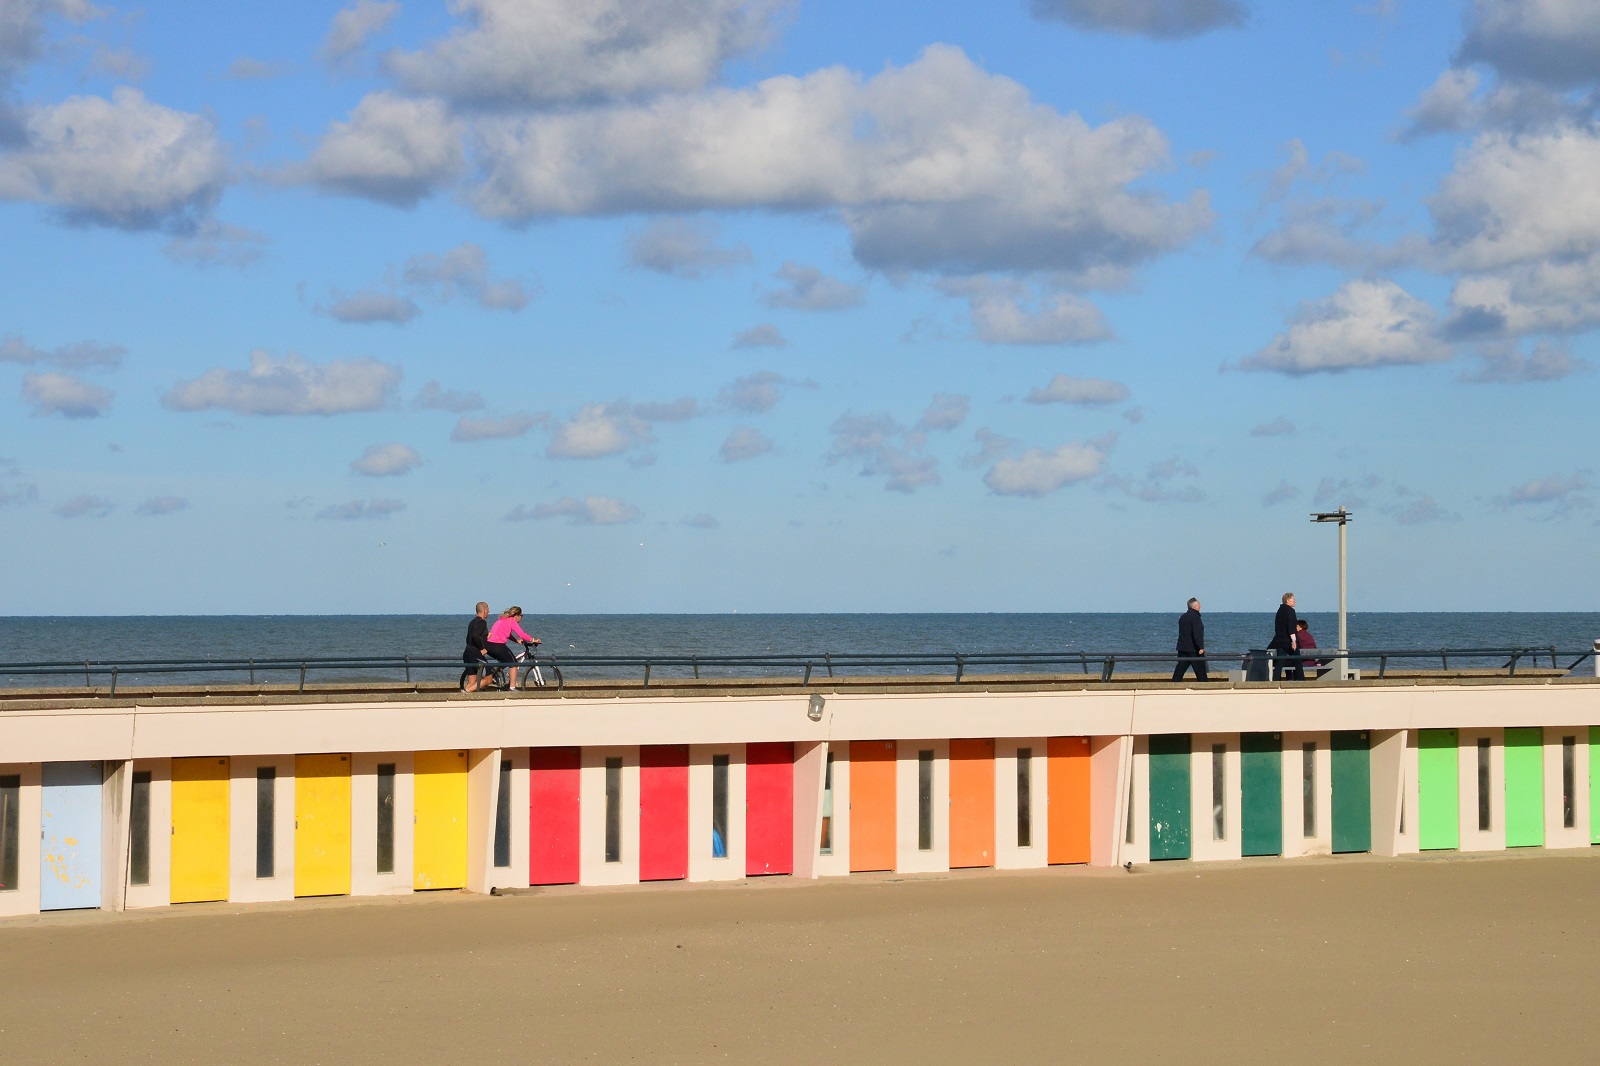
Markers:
241,637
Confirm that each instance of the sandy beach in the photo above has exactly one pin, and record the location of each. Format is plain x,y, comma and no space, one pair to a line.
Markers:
1315,960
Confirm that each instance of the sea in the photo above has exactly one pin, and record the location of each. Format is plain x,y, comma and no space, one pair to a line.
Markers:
69,640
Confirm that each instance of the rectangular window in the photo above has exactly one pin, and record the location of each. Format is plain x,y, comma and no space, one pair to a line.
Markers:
827,807
10,830
1219,792
719,806
502,818
266,790
1485,801
1024,797
614,809
386,818
139,830
1128,832
1569,781
924,801
1308,797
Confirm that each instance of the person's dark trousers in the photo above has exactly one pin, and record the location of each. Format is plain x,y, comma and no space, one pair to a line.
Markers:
1198,665
1286,667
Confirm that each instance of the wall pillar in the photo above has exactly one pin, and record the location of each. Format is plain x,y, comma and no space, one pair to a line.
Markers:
1388,757
1111,772
810,766
116,794
483,795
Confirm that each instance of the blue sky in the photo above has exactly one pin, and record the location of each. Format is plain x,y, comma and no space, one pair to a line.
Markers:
708,305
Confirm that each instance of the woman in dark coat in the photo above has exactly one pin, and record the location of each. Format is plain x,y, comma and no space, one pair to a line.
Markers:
1283,641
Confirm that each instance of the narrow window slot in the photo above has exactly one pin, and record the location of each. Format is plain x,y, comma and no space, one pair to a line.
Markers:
1308,797
502,818
924,801
1024,797
139,829
614,809
1128,832
719,806
1219,792
827,807
1485,797
1569,782
266,805
10,829
385,854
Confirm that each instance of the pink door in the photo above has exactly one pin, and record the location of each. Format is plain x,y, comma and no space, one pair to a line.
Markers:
664,812
769,808
553,816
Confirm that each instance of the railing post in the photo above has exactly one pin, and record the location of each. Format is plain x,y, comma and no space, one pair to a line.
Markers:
961,667
408,668
252,671
827,657
1444,659
1513,664
302,677
86,682
1383,665
646,675
694,660
805,681
1107,666
113,681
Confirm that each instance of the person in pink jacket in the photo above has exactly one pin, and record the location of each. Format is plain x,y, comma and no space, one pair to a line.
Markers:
507,626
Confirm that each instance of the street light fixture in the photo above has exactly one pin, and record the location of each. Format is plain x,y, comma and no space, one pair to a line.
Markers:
1343,517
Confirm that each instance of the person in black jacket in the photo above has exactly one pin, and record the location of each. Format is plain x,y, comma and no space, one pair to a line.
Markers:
1284,665
477,650
1191,641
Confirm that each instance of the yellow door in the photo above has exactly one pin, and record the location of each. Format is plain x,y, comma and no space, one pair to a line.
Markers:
440,825
322,825
199,830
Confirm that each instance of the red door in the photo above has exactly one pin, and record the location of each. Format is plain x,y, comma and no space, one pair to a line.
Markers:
664,812
769,809
553,816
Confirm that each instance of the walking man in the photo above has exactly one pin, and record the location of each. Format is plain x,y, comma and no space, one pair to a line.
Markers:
1191,642
477,649
1284,642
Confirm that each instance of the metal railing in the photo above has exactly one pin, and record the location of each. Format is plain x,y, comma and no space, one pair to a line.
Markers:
806,668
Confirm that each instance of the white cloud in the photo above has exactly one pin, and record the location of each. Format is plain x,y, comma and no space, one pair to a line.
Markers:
599,430
1282,494
1508,366
702,521
947,411
387,460
497,427
1080,392
1010,311
680,410
124,162
1330,230
435,397
744,443
369,306
878,446
64,395
162,505
1037,471
289,386
353,26
22,30
809,289
391,149
1552,41
1420,509
359,510
937,165
685,248
1278,427
1161,19
15,488
516,53
1556,496
1162,483
991,446
247,68
764,335
84,355
589,511
86,507
213,243
1365,324
755,393
465,269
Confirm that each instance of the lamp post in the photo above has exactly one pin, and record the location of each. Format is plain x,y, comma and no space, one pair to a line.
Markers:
1343,517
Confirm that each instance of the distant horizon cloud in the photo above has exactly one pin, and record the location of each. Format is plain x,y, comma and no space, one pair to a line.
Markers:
65,395
1039,471
1158,19
589,511
162,505
386,460
744,443
85,507
361,510
291,385
1079,392
764,335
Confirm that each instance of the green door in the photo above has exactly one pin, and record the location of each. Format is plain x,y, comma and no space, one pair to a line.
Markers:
1438,790
1169,796
1594,786
1525,787
1261,782
1352,791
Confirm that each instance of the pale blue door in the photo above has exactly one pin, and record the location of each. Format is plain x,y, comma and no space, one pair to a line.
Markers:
69,841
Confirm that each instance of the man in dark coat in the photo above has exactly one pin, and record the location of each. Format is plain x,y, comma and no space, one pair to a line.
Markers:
1284,666
1191,641
477,650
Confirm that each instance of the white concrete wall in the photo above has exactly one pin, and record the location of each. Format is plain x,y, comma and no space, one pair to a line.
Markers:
516,874
837,862
158,893
1472,837
1295,841
1133,823
243,884
703,866
365,880
810,766
909,858
1007,855
24,899
1388,768
1205,846
1556,834
593,869
1408,842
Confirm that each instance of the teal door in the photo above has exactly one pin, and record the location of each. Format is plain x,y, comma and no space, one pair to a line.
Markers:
1351,771
1169,796
1524,787
1261,782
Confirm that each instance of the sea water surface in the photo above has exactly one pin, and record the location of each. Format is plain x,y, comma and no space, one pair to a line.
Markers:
1228,634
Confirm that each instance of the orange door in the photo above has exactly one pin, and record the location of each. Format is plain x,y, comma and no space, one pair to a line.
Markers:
971,803
1069,799
872,774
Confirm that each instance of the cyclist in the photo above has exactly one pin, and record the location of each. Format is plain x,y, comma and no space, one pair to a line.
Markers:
509,625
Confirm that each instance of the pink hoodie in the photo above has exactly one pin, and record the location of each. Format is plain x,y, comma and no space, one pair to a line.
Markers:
507,627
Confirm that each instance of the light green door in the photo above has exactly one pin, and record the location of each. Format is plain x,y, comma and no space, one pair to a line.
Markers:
1525,787
1594,785
1438,790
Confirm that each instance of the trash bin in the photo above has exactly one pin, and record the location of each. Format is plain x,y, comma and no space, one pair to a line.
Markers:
1258,664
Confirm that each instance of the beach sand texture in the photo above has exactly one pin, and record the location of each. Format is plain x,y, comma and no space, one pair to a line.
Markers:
1426,960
